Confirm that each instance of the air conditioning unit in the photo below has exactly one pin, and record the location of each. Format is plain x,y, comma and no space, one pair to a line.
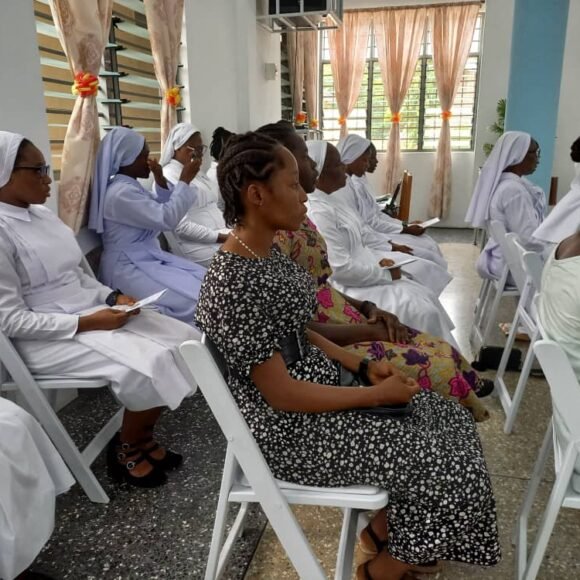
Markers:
285,15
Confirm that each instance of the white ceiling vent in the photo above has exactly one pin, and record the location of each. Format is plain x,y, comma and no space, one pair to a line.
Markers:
285,15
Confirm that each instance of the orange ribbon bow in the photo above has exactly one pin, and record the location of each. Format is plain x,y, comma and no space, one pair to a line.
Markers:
85,85
173,96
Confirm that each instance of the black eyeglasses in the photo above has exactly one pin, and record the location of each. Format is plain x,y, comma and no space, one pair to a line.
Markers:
41,170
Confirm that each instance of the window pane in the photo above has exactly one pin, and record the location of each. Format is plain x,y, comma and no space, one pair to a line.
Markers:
420,122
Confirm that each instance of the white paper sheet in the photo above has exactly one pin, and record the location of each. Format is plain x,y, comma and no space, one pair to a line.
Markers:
142,303
402,263
430,222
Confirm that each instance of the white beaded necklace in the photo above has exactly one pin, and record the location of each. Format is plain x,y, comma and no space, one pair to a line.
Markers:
243,244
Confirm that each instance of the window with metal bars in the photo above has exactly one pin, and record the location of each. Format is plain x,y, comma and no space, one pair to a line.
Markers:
129,93
421,113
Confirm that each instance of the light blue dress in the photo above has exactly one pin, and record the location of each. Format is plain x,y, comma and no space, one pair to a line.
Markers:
133,260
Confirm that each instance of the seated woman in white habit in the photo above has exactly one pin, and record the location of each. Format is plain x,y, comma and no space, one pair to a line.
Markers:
424,271
202,230
359,271
564,219
33,474
62,321
401,232
356,154
502,193
130,219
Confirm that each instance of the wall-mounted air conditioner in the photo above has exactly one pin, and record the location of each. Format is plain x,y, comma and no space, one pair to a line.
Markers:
285,15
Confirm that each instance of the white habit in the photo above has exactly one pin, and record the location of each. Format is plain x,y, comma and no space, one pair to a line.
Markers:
356,272
360,197
424,271
520,206
197,233
32,474
43,291
564,219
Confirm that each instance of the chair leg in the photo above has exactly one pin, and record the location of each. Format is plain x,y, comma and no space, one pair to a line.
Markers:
72,456
491,315
476,331
346,545
500,385
520,536
219,526
551,513
521,386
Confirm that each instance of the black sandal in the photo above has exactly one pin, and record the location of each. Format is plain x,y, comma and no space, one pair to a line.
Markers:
171,460
120,472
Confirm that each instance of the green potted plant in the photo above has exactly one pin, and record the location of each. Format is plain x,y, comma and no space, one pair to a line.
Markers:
498,126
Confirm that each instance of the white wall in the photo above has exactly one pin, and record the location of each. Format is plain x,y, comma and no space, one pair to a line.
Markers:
22,106
493,85
226,54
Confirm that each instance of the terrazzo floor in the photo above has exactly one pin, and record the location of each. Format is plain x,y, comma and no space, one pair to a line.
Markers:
165,533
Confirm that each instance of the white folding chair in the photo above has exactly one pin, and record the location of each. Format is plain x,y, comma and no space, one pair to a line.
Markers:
248,479
39,392
173,243
563,433
490,295
526,268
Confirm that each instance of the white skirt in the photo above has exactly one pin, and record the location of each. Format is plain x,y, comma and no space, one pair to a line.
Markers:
32,475
140,360
413,303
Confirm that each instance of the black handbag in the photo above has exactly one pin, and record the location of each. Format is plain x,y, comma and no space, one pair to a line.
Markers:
398,412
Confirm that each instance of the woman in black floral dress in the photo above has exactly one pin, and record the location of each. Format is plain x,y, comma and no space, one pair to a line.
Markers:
253,299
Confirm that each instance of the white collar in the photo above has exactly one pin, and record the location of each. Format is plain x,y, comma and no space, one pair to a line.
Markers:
13,211
318,195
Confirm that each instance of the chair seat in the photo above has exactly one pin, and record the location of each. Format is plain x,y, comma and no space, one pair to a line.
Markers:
355,489
355,496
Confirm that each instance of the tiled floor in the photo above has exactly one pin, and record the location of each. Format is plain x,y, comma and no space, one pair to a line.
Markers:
510,459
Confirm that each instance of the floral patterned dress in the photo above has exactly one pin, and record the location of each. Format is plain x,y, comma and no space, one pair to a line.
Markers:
434,363
441,504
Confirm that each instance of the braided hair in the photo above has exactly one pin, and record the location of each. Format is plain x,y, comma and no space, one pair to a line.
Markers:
247,157
282,131
218,140
575,151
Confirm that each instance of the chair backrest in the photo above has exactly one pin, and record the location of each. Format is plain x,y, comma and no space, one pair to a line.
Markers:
498,232
173,244
88,241
515,261
564,386
406,190
209,372
533,264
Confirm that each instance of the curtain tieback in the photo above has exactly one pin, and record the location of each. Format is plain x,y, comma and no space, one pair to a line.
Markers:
300,118
446,115
173,96
342,120
396,118
85,85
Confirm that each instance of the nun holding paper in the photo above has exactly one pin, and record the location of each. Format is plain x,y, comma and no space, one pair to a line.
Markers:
130,219
502,193
202,230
